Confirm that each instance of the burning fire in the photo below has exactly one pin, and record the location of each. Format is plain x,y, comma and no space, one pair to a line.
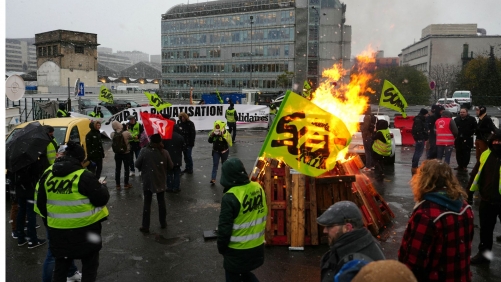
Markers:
347,101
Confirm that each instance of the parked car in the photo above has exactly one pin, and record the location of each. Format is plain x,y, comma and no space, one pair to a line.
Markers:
357,143
463,97
451,105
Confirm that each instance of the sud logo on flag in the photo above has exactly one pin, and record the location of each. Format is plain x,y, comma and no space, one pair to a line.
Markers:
155,123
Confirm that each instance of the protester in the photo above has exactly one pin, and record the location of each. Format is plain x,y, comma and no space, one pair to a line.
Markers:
368,129
420,135
154,161
80,221
135,129
62,111
436,245
485,128
221,141
381,147
385,271
232,118
466,125
347,236
175,147
273,113
188,131
436,112
240,236
486,181
446,131
52,147
96,113
128,105
121,157
94,146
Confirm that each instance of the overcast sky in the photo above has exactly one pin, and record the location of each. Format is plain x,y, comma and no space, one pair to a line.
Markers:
127,25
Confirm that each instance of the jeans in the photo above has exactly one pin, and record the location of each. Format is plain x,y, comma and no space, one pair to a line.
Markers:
187,158
232,129
368,152
488,213
162,211
418,152
26,212
174,178
119,159
134,151
90,265
215,161
48,265
240,277
444,149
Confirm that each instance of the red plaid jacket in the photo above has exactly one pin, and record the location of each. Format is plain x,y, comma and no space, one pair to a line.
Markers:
437,243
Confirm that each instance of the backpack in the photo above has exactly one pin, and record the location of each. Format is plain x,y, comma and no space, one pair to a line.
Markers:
118,143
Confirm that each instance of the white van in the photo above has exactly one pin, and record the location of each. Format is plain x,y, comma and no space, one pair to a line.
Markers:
463,97
129,88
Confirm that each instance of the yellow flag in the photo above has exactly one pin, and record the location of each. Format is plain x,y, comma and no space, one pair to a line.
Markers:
156,101
105,95
305,137
391,98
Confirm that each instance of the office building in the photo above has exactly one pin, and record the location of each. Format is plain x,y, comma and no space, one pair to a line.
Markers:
20,55
157,59
228,45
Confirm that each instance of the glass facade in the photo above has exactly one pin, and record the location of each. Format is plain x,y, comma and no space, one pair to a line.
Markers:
225,51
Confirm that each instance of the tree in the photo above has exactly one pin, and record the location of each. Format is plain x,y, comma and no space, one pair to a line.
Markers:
412,83
445,77
284,79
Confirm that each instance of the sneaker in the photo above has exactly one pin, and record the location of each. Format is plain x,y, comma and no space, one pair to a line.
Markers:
479,259
40,242
22,243
132,174
213,181
76,277
14,236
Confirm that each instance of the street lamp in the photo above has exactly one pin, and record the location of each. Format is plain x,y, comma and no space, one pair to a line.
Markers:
251,67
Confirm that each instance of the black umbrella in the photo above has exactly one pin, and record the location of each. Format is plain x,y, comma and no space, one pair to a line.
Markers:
25,146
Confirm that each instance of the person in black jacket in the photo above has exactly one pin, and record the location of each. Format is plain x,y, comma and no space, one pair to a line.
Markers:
221,142
484,130
466,125
175,147
368,129
94,146
436,113
420,135
189,133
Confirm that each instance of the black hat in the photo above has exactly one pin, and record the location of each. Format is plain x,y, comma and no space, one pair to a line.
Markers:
423,111
155,138
341,212
482,110
75,150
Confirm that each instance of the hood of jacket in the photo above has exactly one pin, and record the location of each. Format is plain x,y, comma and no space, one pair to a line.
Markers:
117,126
65,165
233,174
441,198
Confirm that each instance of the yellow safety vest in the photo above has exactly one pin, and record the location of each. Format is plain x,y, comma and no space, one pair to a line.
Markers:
383,149
483,159
273,111
51,152
249,225
134,131
230,115
63,113
66,207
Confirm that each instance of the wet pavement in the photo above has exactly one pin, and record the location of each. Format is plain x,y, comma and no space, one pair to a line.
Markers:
179,253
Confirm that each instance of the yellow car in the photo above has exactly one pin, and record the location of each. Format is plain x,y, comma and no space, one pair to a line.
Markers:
65,129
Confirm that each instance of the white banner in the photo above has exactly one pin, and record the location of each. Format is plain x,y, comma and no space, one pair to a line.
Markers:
203,116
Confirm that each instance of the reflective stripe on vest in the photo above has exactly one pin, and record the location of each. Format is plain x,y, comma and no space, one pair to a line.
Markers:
381,148
444,134
63,113
483,159
249,225
51,152
66,207
92,114
230,115
134,131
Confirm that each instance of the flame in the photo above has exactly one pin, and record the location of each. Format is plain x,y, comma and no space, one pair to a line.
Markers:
349,100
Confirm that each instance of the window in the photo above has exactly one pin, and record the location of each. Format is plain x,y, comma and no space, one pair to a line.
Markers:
54,50
79,49
75,135
49,51
44,51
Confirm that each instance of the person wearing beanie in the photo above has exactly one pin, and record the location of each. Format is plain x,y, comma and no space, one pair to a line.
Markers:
436,112
485,127
231,119
344,227
153,162
464,141
385,271
436,244
94,145
73,205
175,147
446,130
187,128
221,142
420,135
121,157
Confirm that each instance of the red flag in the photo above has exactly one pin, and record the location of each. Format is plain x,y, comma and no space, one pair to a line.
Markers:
155,123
